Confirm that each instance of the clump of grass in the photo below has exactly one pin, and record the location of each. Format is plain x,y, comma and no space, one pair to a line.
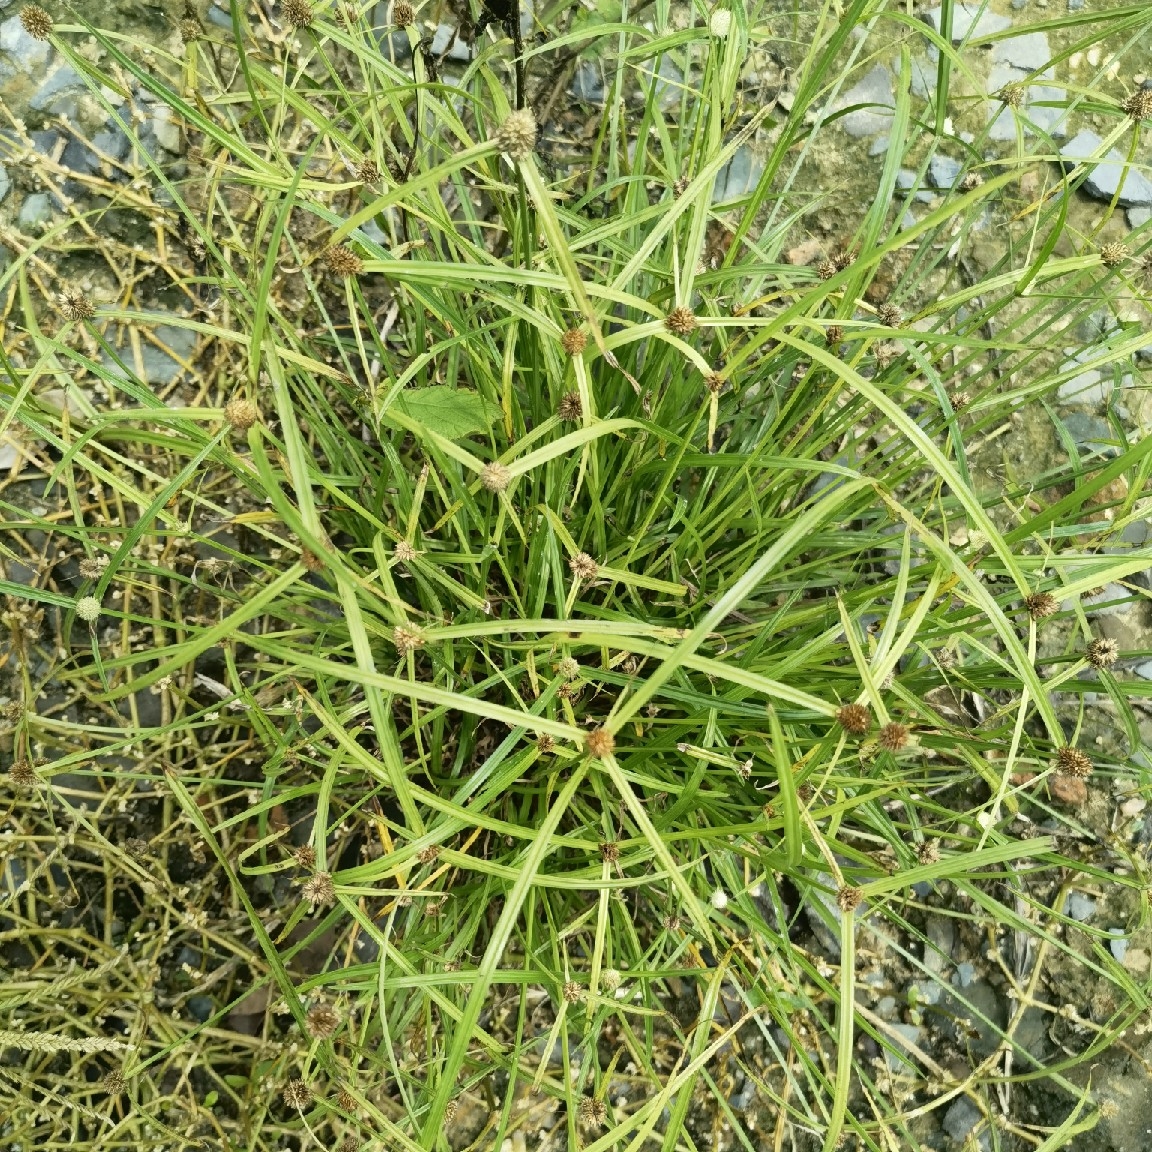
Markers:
475,633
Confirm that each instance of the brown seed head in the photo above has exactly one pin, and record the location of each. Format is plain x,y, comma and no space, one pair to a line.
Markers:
342,261
311,561
517,135
679,186
114,1083
583,566
404,552
190,30
569,668
22,774
609,851
1073,762
350,1144
1102,653
402,14
495,477
680,321
834,336
892,737
406,639
570,408
1041,605
367,171
959,400
37,23
428,853
241,413
889,315
74,305
574,341
600,743
928,851
1113,254
323,1021
971,180
1013,94
297,1094
714,382
853,718
92,567
545,744
346,1100
849,898
573,992
826,269
450,1111
305,856
842,259
592,1112
298,13
1139,104
319,889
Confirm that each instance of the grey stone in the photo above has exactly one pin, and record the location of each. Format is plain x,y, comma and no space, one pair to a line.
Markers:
45,141
1079,907
924,76
1029,52
34,211
1104,177
941,934
164,128
874,89
1144,671
1113,601
906,181
886,1007
5,183
962,1116
878,146
669,83
739,176
943,171
1019,5
1118,945
965,974
1138,217
59,92
157,366
1075,5
969,22
914,1034
220,17
446,41
1087,388
1090,433
588,82
112,141
26,54
79,159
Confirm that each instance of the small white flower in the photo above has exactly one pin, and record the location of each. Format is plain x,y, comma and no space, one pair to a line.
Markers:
612,979
719,900
88,609
720,23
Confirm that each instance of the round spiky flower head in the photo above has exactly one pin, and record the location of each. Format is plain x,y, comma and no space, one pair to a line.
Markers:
22,774
853,718
928,851
1114,253
573,992
37,23
343,261
834,336
714,382
402,14
680,321
889,315
190,30
1041,605
721,23
959,399
573,341
1073,762
849,898
612,979
569,668
367,171
241,413
592,1112
323,1021
495,477
600,743
892,737
517,135
1102,653
1013,94
319,889
1139,104
406,639
609,851
73,304
583,566
88,609
570,407
404,552
971,180
297,1094
305,856
298,13
719,899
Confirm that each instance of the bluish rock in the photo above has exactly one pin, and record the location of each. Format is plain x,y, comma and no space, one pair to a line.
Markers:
157,366
447,42
5,183
35,210
112,142
965,974
669,83
1118,945
1138,217
1079,907
1105,175
25,53
914,1034
970,21
78,158
588,82
906,182
874,89
60,92
1029,52
738,177
878,146
1075,5
1090,433
924,76
44,141
200,1008
962,1116
943,171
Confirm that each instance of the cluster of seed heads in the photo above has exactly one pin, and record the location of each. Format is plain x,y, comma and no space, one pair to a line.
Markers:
404,552
1113,254
190,30
574,341
680,321
1139,104
592,1112
298,13
367,171
517,135
834,336
573,992
928,852
583,566
714,382
305,856
37,23
495,477
22,774
318,889
609,851
600,743
889,315
88,609
241,413
342,261
297,1094
1102,653
854,719
1041,605
570,407
1013,94
74,305
849,898
1073,762
428,853
92,567
892,737
323,1021
402,14
406,639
